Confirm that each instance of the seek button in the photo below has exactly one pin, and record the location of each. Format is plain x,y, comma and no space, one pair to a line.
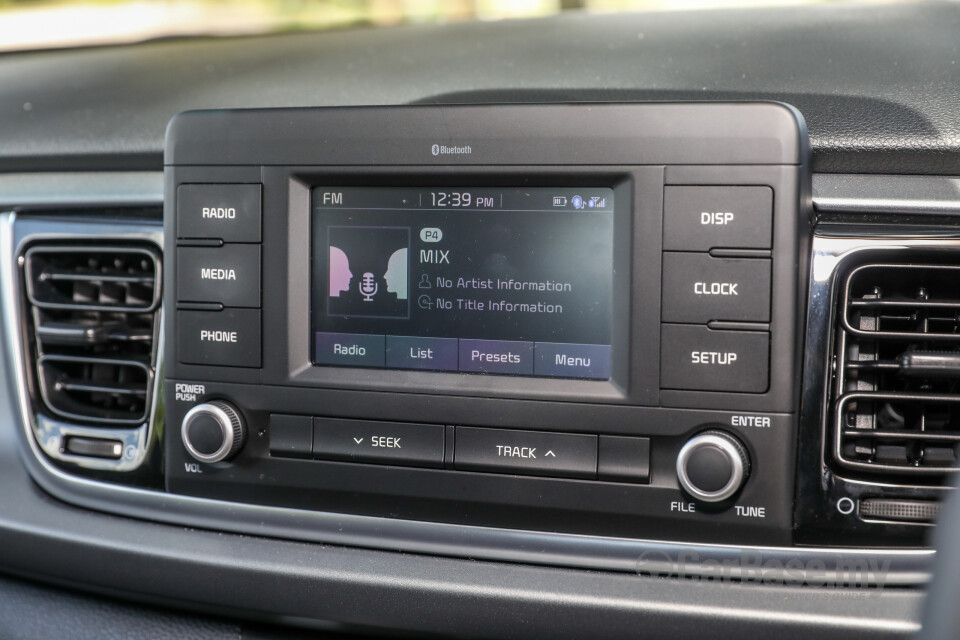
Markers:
397,443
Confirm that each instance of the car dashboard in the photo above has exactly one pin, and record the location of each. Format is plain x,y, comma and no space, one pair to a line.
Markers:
588,326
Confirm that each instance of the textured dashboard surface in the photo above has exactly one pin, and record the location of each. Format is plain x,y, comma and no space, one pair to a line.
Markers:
878,85
29,610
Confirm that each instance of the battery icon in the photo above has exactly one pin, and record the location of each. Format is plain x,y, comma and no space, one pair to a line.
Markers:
559,201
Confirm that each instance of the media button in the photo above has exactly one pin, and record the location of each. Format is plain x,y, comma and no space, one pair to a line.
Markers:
230,212
559,360
496,356
420,445
229,275
412,352
562,455
349,349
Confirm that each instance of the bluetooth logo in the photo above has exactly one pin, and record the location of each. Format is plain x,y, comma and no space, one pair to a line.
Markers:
435,149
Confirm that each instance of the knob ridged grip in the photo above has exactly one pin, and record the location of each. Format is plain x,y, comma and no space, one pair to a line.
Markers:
213,431
712,466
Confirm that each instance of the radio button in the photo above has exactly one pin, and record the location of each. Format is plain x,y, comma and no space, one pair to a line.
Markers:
349,349
496,356
229,338
704,218
404,444
229,275
561,455
699,359
230,212
698,288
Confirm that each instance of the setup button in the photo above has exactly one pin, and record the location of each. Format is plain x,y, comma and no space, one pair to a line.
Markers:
696,358
349,349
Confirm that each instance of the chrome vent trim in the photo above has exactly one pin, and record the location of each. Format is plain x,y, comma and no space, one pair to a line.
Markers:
117,335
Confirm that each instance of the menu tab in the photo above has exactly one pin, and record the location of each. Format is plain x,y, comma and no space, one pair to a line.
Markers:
572,360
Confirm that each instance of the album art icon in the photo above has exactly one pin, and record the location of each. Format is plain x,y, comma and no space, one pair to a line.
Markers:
369,271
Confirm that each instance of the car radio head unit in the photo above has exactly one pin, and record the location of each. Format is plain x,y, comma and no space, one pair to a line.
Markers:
499,315
511,281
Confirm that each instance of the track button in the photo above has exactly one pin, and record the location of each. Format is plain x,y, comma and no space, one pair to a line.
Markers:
536,453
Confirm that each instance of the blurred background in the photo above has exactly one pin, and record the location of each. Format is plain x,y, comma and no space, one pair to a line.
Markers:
40,24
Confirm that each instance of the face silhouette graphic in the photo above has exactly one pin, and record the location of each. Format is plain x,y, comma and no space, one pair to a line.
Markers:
396,275
369,271
340,275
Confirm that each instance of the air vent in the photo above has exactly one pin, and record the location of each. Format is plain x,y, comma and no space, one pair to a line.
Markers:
896,398
93,311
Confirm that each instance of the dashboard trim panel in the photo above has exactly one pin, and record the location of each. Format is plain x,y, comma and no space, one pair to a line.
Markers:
905,567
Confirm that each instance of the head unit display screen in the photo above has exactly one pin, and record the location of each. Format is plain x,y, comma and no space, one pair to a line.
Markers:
509,281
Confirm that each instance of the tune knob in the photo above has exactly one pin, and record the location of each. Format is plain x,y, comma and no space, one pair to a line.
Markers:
212,431
712,466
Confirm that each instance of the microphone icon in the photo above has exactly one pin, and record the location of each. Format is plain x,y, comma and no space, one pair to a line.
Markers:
368,287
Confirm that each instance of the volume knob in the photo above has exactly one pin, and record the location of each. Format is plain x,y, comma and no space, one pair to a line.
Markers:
212,431
712,466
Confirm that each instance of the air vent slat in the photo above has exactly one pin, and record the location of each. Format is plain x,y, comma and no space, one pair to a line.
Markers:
93,309
900,435
897,390
115,389
76,276
904,302
65,333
